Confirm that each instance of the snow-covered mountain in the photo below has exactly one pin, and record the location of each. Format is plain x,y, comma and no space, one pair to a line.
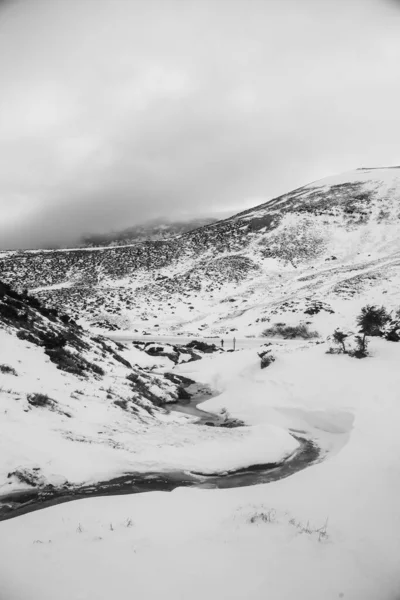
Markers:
322,248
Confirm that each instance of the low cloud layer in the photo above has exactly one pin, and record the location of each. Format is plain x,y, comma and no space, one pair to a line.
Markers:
114,112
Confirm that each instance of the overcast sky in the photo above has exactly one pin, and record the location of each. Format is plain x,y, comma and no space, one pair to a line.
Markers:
116,111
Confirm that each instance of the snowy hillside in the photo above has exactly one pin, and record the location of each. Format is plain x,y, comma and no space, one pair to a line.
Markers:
77,409
331,243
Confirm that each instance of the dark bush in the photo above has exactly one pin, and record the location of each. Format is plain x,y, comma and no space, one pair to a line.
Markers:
361,349
315,307
96,368
266,360
7,370
72,362
66,361
372,319
122,404
392,329
393,333
9,312
28,336
290,331
33,302
40,400
120,359
339,338
52,340
132,377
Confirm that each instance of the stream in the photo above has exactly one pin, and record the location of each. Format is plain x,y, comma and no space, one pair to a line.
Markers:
22,502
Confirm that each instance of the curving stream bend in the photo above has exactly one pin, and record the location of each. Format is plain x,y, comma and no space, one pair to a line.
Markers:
308,453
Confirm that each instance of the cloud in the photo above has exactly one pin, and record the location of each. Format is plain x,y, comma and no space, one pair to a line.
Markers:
115,112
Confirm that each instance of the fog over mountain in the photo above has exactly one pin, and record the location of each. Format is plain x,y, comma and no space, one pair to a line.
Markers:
113,112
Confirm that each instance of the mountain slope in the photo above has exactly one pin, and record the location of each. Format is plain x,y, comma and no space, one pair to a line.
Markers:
335,240
154,230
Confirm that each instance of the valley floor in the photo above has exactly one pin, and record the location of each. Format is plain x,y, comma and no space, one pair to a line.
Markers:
330,531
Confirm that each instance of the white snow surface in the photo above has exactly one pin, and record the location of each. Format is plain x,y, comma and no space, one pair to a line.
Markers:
88,438
215,543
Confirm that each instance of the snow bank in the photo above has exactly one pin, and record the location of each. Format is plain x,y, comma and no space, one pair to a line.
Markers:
229,450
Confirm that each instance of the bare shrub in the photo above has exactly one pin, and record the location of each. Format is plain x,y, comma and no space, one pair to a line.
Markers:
361,349
308,529
339,338
290,331
266,357
262,516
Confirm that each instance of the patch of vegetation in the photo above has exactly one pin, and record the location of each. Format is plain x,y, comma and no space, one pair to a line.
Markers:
361,348
371,322
25,313
267,358
392,334
316,307
7,370
40,400
338,338
122,403
133,377
72,362
263,516
308,529
290,331
30,477
27,336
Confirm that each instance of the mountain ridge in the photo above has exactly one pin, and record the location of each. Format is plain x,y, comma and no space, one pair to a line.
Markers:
260,255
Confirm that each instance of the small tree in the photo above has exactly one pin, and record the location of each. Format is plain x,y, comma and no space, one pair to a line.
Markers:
370,321
339,337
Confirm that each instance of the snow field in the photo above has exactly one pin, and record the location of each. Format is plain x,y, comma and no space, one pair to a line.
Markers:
255,542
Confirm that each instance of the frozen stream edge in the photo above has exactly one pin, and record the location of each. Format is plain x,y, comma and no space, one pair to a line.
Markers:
18,503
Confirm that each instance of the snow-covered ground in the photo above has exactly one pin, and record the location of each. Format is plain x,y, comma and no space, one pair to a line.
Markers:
86,437
330,531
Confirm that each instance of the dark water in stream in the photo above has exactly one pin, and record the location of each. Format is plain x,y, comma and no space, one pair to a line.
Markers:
19,503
